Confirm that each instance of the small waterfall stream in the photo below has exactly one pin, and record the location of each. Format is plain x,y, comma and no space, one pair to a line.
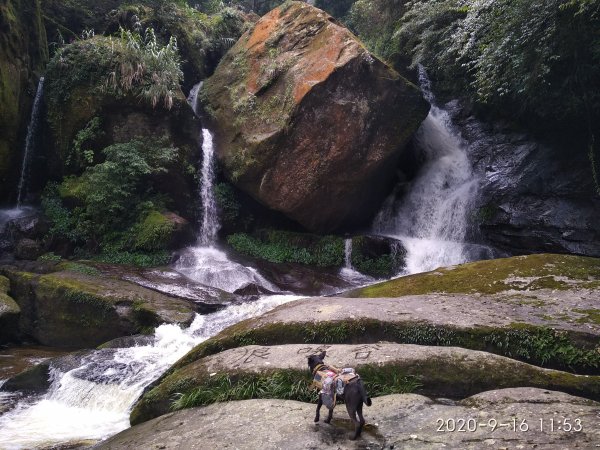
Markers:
348,254
30,141
210,217
206,263
432,219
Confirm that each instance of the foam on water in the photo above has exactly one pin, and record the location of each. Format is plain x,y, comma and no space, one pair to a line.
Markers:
93,401
432,219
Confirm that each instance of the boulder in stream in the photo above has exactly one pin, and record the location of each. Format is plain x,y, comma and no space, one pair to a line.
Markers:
307,121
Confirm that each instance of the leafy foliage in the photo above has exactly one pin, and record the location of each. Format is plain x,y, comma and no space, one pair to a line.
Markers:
280,246
146,68
130,64
536,57
81,154
112,205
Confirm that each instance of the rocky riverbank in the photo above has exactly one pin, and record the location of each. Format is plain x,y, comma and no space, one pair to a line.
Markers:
507,418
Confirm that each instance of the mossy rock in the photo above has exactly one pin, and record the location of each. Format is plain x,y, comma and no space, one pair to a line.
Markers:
295,71
260,371
78,309
520,273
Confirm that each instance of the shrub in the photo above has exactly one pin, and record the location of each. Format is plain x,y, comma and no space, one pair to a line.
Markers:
113,206
281,246
129,64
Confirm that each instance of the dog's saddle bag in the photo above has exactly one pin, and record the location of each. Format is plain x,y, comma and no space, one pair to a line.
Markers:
325,376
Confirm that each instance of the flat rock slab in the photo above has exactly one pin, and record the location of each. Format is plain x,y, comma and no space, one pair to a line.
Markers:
558,309
406,421
440,371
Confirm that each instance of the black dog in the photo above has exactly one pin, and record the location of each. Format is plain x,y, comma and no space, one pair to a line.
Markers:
354,396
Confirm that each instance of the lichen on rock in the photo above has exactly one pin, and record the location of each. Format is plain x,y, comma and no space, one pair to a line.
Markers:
307,121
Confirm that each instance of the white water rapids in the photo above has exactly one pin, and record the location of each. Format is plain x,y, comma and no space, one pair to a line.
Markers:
432,219
93,401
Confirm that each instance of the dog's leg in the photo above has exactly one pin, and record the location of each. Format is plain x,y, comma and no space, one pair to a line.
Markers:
352,413
329,416
319,404
361,419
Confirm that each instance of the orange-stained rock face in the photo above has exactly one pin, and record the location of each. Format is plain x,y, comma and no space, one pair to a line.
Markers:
307,121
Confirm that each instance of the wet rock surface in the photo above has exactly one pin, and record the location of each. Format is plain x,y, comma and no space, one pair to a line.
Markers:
206,299
296,71
533,197
407,421
9,314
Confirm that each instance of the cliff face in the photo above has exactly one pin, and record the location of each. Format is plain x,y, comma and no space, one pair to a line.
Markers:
307,121
23,54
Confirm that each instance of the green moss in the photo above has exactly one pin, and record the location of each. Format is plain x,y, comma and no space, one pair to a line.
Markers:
79,268
72,189
154,232
4,284
544,271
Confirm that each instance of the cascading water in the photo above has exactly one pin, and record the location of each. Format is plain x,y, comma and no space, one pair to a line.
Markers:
348,272
93,400
348,254
30,140
432,219
205,263
210,219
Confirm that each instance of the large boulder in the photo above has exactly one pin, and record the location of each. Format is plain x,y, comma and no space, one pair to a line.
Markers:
449,372
307,121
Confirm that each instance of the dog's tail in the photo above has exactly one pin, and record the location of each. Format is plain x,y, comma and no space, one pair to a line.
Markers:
365,398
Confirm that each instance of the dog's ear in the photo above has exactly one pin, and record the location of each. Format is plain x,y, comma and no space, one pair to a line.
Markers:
322,355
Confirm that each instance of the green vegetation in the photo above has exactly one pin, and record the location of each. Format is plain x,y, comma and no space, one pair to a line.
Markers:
285,385
542,346
79,268
113,206
376,258
81,154
533,344
228,203
493,276
337,8
283,246
118,66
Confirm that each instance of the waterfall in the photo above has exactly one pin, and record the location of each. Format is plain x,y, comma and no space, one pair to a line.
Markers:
348,254
93,400
30,140
205,263
210,218
432,218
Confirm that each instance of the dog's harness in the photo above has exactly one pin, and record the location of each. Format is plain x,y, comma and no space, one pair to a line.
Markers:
326,379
